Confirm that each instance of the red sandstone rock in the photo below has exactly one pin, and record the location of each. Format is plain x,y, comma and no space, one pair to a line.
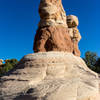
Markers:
76,50
56,32
55,38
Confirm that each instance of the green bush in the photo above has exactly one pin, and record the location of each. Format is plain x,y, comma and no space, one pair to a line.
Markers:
9,64
92,61
97,66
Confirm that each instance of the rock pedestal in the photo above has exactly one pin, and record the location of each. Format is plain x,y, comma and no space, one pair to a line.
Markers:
53,38
50,76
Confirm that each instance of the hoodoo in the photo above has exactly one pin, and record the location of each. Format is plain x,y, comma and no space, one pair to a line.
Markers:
55,71
56,32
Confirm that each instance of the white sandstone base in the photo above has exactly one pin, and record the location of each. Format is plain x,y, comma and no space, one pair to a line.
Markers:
50,76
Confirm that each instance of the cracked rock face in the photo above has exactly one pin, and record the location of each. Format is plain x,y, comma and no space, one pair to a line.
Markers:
50,76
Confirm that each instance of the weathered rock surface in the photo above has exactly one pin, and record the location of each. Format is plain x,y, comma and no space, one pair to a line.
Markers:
50,76
52,13
72,22
56,32
55,38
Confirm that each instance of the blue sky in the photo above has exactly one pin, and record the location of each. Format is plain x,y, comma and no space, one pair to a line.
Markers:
19,20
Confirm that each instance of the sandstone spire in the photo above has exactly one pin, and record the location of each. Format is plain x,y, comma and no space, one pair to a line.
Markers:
54,32
52,13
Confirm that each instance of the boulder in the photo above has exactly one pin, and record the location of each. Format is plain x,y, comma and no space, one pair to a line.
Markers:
72,21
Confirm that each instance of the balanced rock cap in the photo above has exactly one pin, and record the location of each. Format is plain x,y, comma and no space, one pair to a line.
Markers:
72,21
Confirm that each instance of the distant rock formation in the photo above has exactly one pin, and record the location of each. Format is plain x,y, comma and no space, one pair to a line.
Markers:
1,62
55,30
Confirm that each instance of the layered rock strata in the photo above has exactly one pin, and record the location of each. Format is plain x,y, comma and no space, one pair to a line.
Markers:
52,13
54,33
50,76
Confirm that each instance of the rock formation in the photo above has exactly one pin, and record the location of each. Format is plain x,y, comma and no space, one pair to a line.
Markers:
54,32
50,76
72,22
51,13
1,62
57,75
53,38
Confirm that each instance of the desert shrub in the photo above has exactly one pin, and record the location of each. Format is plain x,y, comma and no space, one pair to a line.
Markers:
7,66
92,61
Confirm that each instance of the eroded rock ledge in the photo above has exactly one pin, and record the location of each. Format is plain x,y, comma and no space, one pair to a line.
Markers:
50,76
